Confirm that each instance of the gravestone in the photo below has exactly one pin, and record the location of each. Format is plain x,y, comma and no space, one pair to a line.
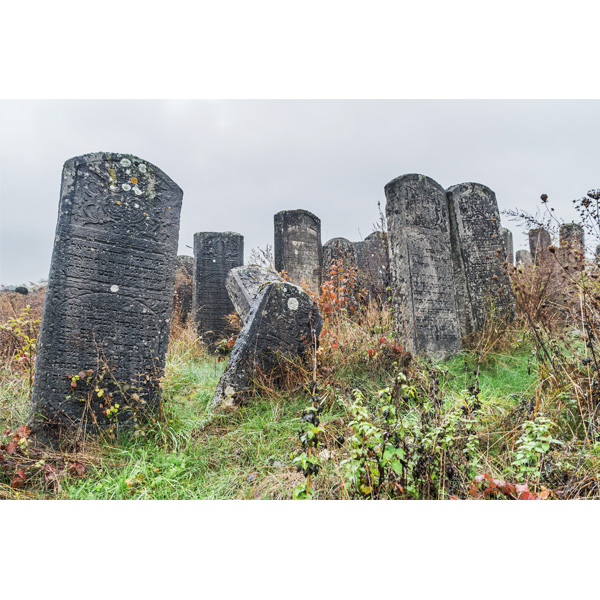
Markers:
245,283
215,254
21,289
281,325
508,242
571,252
110,294
421,267
478,254
539,242
373,263
523,257
183,287
298,249
339,251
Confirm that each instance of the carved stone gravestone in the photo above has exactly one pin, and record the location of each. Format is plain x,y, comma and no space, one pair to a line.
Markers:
373,263
523,257
539,242
298,249
245,283
107,312
508,242
421,268
215,254
339,251
571,251
183,287
478,254
281,325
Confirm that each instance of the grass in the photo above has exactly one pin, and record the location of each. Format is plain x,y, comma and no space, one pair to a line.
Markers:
195,454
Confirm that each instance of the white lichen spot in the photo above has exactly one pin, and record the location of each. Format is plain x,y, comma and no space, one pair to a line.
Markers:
126,187
114,288
137,191
142,167
293,304
136,205
125,162
229,391
113,188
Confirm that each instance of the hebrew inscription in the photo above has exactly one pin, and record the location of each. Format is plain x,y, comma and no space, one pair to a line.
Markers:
421,266
110,292
215,254
478,254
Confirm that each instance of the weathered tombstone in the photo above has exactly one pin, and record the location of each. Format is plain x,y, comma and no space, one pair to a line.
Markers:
571,250
244,285
373,263
282,323
183,287
21,289
539,242
215,254
523,257
421,268
508,242
298,249
339,251
598,253
107,312
478,254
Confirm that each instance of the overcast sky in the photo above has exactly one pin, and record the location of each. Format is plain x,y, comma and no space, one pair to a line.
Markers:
239,162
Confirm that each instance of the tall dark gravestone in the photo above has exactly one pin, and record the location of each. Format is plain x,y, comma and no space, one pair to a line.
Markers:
508,242
373,263
421,268
107,312
478,254
184,275
571,250
282,325
539,242
298,249
215,254
244,284
340,251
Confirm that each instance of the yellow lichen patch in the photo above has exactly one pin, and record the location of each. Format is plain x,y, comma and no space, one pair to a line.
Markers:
133,180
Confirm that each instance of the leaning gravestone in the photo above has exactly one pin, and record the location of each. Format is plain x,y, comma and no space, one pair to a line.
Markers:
339,251
571,251
183,287
298,249
244,284
478,254
106,321
421,268
282,324
215,254
373,263
508,242
539,242
523,257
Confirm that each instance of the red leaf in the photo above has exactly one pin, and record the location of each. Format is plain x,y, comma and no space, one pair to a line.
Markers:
23,431
21,474
521,488
7,432
527,496
12,447
76,469
17,482
73,384
82,374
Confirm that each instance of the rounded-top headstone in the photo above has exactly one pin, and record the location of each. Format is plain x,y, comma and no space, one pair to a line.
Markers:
298,249
110,293
338,251
421,267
